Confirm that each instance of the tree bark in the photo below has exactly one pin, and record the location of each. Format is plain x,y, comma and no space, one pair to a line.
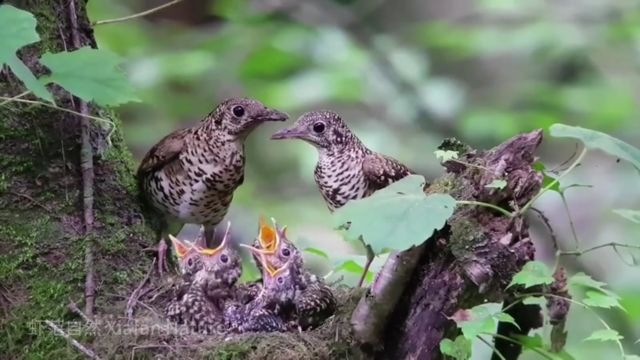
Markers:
47,230
471,260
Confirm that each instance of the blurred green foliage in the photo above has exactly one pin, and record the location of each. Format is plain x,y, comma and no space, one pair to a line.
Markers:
405,75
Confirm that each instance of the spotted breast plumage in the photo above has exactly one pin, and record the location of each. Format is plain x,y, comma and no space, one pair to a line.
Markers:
191,174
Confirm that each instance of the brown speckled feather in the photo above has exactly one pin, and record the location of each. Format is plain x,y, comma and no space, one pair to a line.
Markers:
381,171
165,151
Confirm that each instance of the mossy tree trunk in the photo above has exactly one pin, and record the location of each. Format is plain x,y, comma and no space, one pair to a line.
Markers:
42,224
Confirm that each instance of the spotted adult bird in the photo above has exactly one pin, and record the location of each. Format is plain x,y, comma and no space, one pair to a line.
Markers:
313,300
346,169
216,272
191,174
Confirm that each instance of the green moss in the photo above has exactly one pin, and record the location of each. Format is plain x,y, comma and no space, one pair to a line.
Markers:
464,237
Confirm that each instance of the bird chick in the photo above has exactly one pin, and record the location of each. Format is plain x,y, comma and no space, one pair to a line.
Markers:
190,175
268,310
313,300
202,306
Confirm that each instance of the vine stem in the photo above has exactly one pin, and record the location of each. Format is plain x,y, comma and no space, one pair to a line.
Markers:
491,206
553,183
582,252
137,15
53,106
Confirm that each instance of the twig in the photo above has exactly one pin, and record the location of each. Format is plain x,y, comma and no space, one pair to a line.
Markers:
612,244
33,201
554,182
53,106
136,294
90,354
86,165
571,224
76,310
546,221
137,15
15,97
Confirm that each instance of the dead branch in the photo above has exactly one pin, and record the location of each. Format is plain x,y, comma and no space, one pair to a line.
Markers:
86,165
138,293
90,354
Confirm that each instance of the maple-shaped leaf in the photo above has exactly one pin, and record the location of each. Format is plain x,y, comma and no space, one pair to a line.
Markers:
17,29
396,217
90,74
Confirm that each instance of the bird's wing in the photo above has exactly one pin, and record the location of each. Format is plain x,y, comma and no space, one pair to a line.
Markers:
164,152
381,170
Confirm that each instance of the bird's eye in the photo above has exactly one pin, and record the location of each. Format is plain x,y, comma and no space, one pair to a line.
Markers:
238,111
280,280
224,258
286,252
318,127
190,262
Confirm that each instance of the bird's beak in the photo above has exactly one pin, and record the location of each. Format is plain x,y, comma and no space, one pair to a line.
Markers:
288,133
180,247
273,115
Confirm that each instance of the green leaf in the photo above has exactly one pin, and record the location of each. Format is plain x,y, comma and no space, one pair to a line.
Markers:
601,299
533,273
632,215
460,349
497,184
598,140
17,29
312,250
476,321
583,280
604,335
396,217
446,155
354,268
631,357
504,317
596,295
90,74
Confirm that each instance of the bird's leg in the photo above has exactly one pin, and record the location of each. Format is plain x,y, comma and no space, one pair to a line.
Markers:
370,256
162,253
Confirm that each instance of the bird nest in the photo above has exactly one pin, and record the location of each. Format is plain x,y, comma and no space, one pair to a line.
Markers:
150,335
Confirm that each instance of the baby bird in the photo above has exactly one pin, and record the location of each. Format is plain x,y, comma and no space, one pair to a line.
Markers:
313,300
202,306
269,310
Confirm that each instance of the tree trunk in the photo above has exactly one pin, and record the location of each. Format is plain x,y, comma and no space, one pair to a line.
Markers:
43,237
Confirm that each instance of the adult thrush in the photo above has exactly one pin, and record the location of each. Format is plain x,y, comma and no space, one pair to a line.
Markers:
346,168
191,174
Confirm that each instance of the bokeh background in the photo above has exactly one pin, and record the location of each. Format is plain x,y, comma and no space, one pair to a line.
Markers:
405,75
